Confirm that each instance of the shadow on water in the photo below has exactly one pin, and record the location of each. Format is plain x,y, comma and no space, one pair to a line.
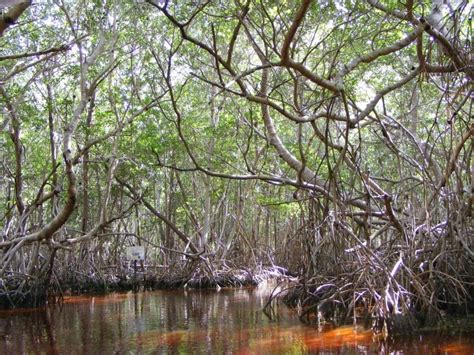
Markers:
194,321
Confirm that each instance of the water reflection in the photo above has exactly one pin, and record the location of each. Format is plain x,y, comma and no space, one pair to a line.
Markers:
196,321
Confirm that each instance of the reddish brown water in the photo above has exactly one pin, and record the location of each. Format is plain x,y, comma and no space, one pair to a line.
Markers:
190,322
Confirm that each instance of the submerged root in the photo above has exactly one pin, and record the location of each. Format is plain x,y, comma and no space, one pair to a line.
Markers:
392,280
23,293
188,273
385,303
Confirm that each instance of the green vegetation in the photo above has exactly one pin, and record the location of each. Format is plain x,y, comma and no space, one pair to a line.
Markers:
332,140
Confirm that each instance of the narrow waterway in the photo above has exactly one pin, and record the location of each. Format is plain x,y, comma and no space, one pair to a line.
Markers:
194,321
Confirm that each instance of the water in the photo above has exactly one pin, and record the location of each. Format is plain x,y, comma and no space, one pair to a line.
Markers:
229,321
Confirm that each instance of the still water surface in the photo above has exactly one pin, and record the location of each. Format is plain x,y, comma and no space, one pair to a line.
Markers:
229,321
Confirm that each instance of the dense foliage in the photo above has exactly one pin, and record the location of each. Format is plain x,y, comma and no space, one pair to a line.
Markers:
331,138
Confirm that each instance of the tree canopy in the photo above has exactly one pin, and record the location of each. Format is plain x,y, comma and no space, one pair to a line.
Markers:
333,138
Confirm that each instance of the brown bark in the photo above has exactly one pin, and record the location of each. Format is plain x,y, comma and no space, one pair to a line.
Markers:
11,16
54,177
85,170
183,237
15,137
